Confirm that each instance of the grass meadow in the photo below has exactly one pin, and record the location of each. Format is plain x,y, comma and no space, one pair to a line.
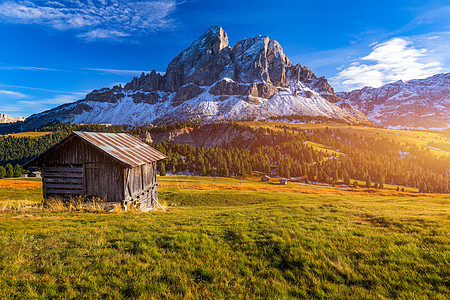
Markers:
228,238
30,134
412,137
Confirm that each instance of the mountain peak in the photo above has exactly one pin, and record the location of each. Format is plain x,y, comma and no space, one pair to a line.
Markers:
4,118
211,81
214,39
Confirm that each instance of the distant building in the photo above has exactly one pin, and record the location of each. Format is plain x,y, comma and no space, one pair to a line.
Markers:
265,178
35,174
283,181
115,167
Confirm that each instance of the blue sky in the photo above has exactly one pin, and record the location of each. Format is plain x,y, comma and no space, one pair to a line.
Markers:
54,52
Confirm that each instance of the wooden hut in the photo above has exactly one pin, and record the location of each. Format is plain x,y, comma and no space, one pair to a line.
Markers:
115,167
283,181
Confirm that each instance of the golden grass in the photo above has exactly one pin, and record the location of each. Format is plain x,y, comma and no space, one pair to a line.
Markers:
324,148
273,187
30,134
415,137
20,184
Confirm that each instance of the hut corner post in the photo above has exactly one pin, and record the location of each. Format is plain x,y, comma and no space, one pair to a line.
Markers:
143,199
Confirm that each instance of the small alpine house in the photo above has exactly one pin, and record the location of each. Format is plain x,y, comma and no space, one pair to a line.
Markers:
116,167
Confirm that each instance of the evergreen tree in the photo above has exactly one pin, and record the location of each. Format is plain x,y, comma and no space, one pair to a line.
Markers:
368,182
2,172
18,171
162,169
9,171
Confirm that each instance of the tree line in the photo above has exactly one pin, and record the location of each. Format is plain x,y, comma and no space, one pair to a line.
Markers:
284,152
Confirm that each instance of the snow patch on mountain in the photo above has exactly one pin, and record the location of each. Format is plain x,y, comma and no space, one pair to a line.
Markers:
418,103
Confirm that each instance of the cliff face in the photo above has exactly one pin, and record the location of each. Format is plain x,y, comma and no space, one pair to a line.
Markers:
418,103
214,135
211,81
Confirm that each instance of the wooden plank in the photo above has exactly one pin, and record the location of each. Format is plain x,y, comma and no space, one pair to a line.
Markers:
67,192
84,179
64,175
64,169
64,186
64,180
44,190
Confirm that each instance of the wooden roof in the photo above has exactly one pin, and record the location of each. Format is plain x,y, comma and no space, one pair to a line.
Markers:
122,147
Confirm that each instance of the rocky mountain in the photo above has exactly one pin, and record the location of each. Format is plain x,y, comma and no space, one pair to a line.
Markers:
211,81
418,103
8,119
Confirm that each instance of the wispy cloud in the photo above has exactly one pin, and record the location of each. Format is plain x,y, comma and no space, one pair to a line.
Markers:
12,94
62,99
27,68
92,19
118,72
395,59
41,89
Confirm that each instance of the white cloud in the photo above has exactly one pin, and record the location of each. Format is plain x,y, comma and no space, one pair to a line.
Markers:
92,19
12,94
119,72
62,99
395,59
27,68
101,34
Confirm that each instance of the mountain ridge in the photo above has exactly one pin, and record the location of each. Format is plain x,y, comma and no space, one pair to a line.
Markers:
417,103
5,119
212,82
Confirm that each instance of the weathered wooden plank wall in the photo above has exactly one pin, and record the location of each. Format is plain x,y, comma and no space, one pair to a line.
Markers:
103,176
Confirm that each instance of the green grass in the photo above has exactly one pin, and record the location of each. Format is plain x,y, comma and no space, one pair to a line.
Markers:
13,198
233,244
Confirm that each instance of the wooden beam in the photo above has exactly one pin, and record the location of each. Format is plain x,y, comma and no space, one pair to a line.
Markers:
63,180
65,175
67,192
64,186
63,169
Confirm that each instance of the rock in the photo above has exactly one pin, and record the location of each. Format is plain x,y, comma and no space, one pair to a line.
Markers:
146,137
149,82
299,73
105,95
226,87
186,92
322,86
261,90
308,94
150,98
202,63
80,108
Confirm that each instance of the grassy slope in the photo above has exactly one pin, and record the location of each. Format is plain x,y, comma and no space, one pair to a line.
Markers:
31,134
417,137
235,243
